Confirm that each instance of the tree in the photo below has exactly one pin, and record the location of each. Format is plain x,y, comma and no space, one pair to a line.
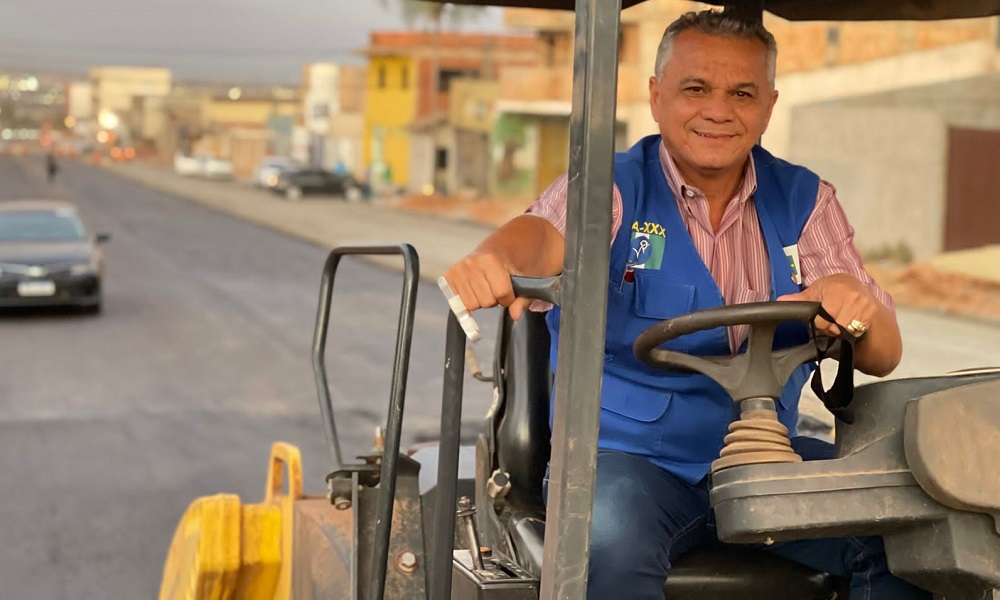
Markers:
435,13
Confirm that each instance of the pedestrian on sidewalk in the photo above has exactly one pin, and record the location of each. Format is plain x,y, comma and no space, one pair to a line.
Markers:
51,167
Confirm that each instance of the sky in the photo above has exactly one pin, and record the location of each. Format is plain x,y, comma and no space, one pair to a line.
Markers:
219,40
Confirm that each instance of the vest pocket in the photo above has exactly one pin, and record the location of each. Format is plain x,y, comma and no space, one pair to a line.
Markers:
632,416
659,298
634,400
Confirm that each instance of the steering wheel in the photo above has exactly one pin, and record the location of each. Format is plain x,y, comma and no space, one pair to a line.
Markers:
761,371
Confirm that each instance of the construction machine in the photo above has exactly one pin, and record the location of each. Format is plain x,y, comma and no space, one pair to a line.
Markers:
916,459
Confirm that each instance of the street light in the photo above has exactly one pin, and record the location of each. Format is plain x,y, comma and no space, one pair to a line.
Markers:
108,119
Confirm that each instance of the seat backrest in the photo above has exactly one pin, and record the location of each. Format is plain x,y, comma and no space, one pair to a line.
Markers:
952,444
522,427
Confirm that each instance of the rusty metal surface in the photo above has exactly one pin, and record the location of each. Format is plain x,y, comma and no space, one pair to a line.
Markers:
406,537
327,540
322,550
815,10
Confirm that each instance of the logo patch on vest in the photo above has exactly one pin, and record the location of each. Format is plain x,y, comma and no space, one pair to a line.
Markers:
792,254
647,245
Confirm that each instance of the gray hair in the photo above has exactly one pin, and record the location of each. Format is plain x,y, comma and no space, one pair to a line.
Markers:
718,24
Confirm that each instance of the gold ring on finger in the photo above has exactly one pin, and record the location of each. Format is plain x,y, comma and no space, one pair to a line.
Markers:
857,328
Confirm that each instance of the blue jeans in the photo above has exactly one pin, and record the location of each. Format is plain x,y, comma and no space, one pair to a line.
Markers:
645,517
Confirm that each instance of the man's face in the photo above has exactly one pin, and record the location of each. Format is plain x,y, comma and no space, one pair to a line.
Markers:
712,101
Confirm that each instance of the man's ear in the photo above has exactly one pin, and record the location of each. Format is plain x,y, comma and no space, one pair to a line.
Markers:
654,95
770,109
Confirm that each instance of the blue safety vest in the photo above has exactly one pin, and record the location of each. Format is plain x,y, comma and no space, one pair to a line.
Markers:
678,421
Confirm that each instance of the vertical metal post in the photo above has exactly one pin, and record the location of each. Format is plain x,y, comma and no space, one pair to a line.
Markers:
584,301
442,537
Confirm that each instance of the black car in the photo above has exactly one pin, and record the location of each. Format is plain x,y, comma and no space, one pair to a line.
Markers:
294,184
47,258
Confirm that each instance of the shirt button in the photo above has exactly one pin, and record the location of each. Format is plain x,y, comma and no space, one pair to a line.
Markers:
689,192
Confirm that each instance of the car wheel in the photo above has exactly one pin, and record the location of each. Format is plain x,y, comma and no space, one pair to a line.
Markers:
93,309
293,193
353,194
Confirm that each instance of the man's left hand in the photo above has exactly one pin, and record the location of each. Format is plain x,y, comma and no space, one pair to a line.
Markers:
845,298
855,309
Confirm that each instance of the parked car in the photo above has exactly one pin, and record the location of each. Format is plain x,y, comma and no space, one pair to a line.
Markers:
47,257
203,165
295,184
270,169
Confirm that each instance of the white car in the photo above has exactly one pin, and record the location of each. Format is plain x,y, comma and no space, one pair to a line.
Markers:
203,166
186,165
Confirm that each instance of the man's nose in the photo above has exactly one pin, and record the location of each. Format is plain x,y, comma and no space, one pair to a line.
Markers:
717,108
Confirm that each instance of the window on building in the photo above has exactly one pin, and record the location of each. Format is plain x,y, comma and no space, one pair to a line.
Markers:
381,77
405,78
445,76
440,158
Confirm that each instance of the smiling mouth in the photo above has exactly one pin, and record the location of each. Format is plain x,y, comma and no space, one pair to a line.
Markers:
713,136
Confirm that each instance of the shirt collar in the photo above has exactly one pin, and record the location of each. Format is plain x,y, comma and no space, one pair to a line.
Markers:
680,188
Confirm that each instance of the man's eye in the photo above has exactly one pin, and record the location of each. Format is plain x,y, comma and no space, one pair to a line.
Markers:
744,95
694,89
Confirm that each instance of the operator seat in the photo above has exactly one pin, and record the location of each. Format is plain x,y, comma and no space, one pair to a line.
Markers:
522,451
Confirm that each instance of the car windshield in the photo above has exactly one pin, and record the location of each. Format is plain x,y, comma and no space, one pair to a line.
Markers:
41,226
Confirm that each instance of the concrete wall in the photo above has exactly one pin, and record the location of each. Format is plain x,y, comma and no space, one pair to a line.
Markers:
889,168
949,63
888,155
421,161
347,139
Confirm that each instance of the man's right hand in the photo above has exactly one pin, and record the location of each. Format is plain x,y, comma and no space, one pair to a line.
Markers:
525,245
482,280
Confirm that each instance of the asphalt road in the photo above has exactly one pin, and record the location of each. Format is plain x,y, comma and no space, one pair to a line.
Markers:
111,425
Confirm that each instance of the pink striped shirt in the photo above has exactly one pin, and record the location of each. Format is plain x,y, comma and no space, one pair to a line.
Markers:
736,254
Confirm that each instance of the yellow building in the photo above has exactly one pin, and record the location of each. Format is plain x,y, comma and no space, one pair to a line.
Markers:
389,111
409,81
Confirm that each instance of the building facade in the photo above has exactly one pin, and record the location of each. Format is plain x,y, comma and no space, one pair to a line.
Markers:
409,140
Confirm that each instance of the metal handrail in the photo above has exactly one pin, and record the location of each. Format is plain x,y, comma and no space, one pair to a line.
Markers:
400,370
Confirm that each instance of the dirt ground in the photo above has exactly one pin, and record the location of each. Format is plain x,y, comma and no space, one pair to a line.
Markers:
917,285
488,212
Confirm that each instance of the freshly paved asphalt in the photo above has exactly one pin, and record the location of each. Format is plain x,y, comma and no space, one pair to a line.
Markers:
111,425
